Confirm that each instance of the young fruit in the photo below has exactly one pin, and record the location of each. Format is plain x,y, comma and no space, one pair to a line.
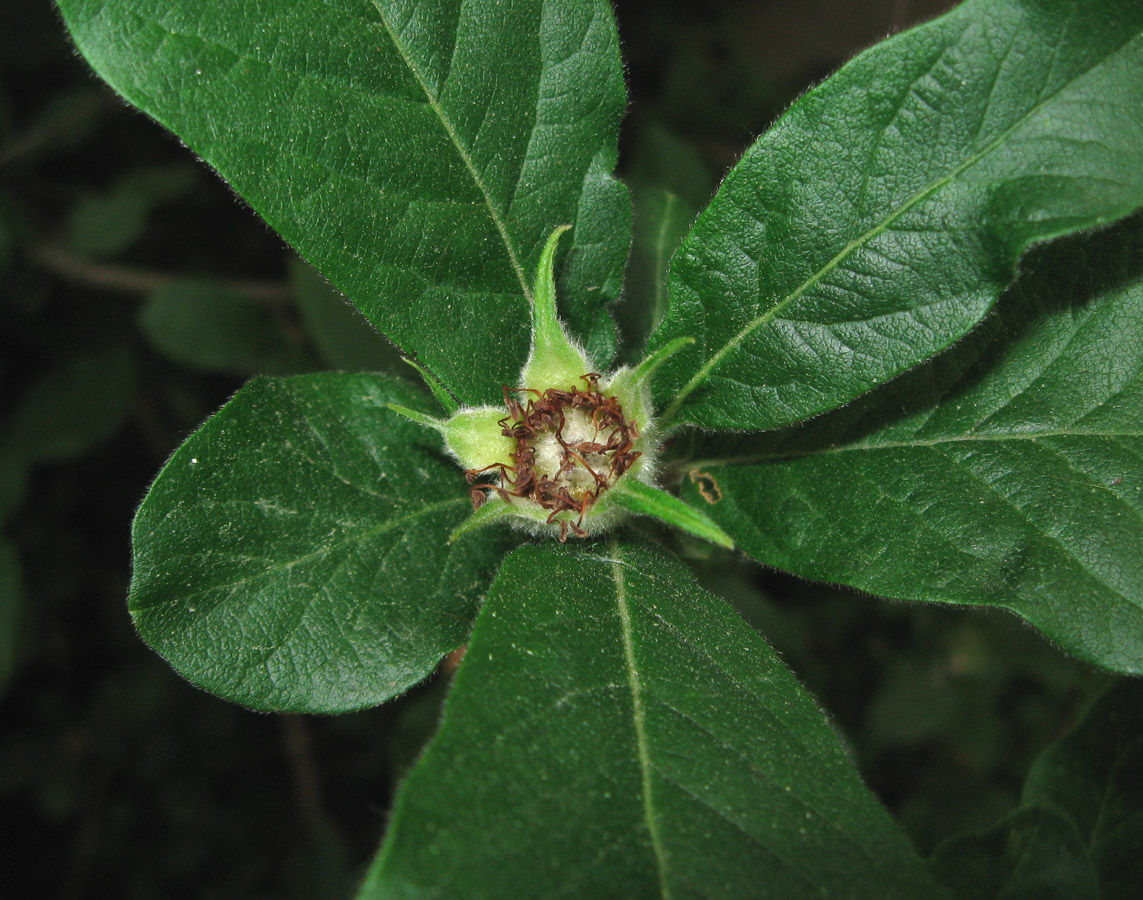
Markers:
571,452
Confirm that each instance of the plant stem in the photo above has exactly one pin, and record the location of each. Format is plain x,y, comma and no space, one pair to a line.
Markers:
133,280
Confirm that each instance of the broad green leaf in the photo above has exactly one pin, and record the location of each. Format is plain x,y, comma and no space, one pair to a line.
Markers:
1079,830
343,337
293,554
616,731
11,600
77,404
208,326
1009,471
418,154
878,221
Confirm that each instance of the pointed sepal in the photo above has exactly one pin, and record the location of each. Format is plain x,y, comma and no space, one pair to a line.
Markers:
556,360
419,417
492,511
444,398
642,373
646,500
476,438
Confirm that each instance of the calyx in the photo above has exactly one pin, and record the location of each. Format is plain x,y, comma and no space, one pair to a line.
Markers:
571,446
571,452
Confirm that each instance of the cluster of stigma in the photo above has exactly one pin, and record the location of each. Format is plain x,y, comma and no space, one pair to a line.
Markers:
570,447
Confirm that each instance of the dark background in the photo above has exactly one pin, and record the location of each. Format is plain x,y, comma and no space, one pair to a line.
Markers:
137,293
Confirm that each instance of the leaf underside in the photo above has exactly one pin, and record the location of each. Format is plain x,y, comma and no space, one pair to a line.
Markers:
624,733
880,218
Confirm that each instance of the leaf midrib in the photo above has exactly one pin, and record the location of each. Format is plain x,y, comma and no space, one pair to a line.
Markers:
862,239
466,158
746,459
639,718
1022,514
647,766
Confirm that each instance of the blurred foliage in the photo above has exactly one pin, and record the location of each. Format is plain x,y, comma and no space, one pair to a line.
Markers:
138,295
1073,835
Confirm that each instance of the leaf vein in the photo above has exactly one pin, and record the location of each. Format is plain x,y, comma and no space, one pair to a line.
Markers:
857,242
462,151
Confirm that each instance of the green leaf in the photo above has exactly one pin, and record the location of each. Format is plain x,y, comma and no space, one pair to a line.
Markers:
616,731
418,154
208,326
106,224
661,222
662,160
343,337
11,600
1094,777
878,221
293,554
1079,830
78,403
1033,854
1008,471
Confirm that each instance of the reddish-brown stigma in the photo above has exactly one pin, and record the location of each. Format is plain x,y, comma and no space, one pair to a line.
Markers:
571,446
